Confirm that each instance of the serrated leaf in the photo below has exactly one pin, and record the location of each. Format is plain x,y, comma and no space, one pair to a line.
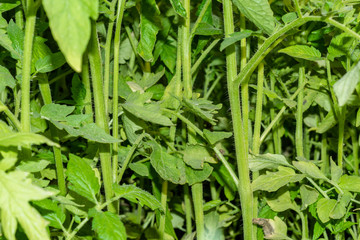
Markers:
150,113
267,161
16,36
303,52
50,62
235,37
272,181
207,29
196,155
70,25
24,139
33,166
108,226
339,46
169,167
56,112
203,108
324,208
310,169
82,177
344,87
7,80
149,27
214,137
16,190
281,202
51,212
259,12
137,195
178,7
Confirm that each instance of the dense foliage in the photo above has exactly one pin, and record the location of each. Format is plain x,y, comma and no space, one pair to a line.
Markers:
179,119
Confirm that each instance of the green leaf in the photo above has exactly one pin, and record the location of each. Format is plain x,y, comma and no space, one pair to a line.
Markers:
342,226
108,226
266,161
56,112
93,132
281,202
82,177
70,25
310,169
340,45
336,172
273,229
51,212
340,209
50,62
235,37
16,190
168,52
350,183
150,112
33,166
16,36
8,5
272,181
7,79
207,29
196,155
178,7
169,167
259,12
344,87
151,79
149,27
197,175
24,139
324,208
214,137
308,195
202,108
327,123
289,17
137,195
303,52
172,94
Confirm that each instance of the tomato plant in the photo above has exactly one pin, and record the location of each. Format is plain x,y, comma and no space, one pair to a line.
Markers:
145,119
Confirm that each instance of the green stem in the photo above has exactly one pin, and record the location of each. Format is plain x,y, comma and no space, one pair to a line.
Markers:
197,193
199,19
282,110
108,42
203,55
298,10
128,157
211,89
355,145
46,95
10,115
26,66
164,190
100,116
244,187
341,120
260,54
299,141
275,131
115,113
85,77
188,210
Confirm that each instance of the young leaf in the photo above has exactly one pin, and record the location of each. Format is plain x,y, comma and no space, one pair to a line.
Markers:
281,202
202,108
308,195
267,161
108,226
169,167
70,25
324,208
303,52
150,112
56,112
137,195
273,229
207,29
196,155
149,27
178,7
259,12
16,36
327,123
197,175
344,87
336,172
51,212
50,62
16,190
272,181
310,169
340,46
235,37
7,79
289,17
82,177
214,137
340,209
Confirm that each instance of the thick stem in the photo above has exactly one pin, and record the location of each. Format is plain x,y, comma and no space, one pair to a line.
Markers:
188,209
100,116
85,77
115,130
299,141
26,66
164,190
244,187
197,193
